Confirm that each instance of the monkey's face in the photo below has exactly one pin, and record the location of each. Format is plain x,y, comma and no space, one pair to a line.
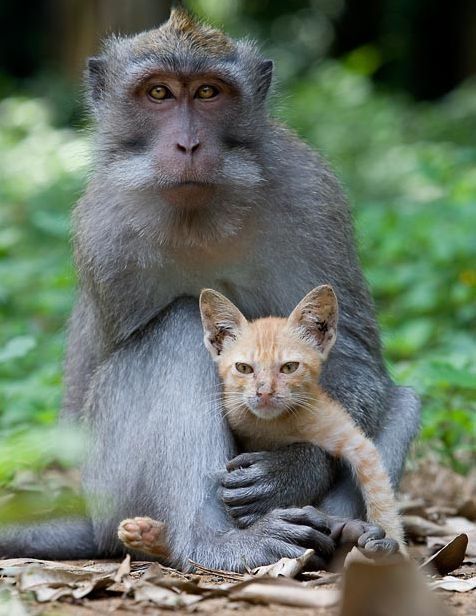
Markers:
181,113
187,125
182,131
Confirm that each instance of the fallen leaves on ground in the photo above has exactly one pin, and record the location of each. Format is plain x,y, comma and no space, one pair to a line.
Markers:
443,541
450,557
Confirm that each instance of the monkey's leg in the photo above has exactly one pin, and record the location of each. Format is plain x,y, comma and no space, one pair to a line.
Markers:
62,539
159,445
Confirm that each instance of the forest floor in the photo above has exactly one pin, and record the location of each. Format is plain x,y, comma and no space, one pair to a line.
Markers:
439,509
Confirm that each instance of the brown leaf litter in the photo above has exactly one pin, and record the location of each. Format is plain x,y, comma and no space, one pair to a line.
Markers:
442,541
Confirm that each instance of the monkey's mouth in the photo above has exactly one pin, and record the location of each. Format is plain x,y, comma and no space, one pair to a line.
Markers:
189,193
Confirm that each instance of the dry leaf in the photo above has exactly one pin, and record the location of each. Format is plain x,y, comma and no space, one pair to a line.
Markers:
468,509
412,507
450,582
471,549
232,575
320,578
376,588
450,557
417,527
433,542
50,580
286,567
11,605
283,591
14,566
458,524
164,597
124,569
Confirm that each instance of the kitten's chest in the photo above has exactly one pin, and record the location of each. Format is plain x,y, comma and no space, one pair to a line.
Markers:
256,434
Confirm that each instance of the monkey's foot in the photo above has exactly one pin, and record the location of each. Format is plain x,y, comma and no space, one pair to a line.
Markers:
144,535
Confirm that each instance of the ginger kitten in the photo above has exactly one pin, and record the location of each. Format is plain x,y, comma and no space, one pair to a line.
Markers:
270,371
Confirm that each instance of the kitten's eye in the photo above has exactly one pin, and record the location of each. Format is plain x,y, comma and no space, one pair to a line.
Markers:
244,368
159,93
206,92
290,367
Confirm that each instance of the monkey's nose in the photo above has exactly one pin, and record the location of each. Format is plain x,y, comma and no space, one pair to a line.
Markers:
188,146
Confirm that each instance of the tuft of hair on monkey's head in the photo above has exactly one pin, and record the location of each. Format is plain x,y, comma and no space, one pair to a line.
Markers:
182,44
182,29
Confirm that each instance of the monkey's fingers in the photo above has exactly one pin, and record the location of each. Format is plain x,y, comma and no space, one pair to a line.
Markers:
301,527
241,478
245,460
308,516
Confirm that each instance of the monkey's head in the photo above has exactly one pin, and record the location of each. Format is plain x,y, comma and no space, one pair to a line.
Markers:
180,111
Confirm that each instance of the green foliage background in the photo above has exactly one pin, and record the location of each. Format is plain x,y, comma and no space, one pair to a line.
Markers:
410,172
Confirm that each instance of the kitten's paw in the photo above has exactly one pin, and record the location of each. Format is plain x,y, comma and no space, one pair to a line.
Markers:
144,535
385,546
369,537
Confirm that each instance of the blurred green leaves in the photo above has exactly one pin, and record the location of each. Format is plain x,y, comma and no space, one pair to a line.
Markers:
35,483
41,174
17,347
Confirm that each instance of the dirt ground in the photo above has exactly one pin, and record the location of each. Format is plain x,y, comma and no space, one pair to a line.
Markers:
439,512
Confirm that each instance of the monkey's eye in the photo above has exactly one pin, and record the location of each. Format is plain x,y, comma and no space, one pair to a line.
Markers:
159,93
289,367
206,91
244,368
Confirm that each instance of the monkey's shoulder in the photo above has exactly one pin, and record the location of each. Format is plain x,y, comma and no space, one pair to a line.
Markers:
301,166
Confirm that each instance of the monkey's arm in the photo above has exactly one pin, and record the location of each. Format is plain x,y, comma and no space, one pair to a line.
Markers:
86,344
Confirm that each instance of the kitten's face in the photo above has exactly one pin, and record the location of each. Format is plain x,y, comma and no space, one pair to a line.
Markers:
269,369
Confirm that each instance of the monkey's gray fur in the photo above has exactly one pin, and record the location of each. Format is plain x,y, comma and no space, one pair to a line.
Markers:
137,372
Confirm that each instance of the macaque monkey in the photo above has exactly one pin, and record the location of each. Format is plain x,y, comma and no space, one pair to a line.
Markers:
193,185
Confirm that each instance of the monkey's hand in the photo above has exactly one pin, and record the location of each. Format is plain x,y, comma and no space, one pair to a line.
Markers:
289,532
293,476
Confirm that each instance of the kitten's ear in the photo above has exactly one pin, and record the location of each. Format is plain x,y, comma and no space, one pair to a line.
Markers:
222,321
315,318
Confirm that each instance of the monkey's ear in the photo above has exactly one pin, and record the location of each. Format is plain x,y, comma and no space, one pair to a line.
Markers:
265,77
96,77
222,321
315,318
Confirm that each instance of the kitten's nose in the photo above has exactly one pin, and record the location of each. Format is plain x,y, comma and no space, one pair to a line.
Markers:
264,396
